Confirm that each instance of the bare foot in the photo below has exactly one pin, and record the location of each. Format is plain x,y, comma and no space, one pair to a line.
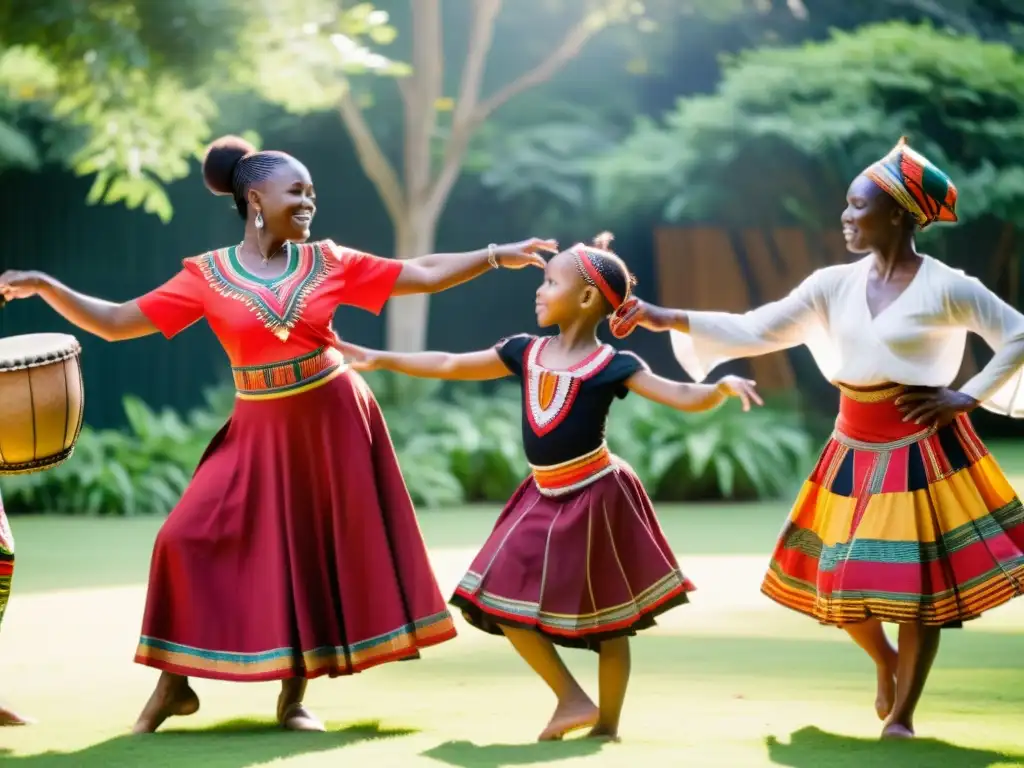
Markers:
7,717
297,718
897,731
570,716
604,733
291,714
886,695
168,700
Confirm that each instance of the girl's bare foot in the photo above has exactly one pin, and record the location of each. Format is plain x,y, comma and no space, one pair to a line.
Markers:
886,693
603,733
570,716
897,731
291,714
172,697
7,717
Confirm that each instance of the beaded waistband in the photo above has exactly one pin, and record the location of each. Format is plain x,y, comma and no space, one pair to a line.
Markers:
875,395
872,420
289,377
574,474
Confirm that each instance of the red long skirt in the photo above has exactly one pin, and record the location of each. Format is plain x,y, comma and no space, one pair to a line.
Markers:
295,551
580,568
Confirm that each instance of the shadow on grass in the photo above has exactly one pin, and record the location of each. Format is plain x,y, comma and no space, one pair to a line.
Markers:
233,744
812,748
466,754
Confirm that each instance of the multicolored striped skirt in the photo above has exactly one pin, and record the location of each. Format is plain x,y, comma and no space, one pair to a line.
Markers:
6,561
899,523
580,562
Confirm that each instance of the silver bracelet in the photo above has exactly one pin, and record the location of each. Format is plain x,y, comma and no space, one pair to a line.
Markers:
492,256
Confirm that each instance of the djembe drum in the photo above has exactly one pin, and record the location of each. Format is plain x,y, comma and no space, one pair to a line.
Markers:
41,401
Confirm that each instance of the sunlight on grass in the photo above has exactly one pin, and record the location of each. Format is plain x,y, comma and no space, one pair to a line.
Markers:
729,680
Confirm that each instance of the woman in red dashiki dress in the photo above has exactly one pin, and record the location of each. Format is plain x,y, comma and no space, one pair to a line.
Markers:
577,557
298,507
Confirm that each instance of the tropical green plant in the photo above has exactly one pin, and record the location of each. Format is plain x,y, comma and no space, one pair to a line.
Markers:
142,469
455,444
718,454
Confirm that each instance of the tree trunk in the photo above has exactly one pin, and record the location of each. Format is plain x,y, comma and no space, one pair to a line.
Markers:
407,316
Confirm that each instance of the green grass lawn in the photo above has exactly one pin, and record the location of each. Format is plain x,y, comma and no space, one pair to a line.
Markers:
730,680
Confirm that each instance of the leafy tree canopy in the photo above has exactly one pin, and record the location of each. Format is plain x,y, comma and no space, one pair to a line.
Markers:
126,90
788,128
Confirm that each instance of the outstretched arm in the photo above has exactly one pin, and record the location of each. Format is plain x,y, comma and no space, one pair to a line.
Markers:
470,366
701,341
109,320
692,397
441,271
769,328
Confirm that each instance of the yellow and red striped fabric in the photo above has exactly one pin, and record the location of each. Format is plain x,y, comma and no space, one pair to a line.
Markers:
899,522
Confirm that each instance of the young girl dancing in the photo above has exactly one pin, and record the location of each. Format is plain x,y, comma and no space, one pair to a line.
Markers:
577,557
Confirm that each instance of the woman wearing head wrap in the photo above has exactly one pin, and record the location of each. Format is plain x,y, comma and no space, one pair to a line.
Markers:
295,551
906,517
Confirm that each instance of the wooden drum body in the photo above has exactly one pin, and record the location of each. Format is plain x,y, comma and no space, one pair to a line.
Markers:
42,401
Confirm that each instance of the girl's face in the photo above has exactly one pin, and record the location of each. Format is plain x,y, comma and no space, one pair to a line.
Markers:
564,294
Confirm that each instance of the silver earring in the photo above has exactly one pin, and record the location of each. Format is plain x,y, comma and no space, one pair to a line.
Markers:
259,219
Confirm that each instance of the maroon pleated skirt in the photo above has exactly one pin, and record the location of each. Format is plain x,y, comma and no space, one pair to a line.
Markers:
580,568
295,551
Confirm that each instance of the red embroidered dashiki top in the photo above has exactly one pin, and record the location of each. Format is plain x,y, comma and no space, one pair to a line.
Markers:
262,321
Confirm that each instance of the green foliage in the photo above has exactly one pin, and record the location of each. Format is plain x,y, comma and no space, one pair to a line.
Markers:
539,156
455,445
125,90
305,58
788,128
118,83
140,470
719,454
539,160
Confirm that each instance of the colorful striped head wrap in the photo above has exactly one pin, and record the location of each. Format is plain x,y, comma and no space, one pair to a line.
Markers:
917,185
602,272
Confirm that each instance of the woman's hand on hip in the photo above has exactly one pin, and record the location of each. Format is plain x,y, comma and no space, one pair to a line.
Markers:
935,408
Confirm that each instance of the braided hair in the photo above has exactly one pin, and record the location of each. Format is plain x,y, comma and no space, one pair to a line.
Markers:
232,165
611,268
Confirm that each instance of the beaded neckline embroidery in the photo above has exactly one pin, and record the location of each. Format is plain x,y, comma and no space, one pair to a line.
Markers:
277,302
550,394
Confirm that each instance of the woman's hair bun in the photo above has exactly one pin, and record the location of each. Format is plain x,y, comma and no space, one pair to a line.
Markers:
220,160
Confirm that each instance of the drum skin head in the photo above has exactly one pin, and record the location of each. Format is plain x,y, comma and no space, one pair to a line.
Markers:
34,348
42,401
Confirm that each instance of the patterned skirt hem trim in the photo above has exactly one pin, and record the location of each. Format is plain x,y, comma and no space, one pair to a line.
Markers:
567,630
279,664
995,591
